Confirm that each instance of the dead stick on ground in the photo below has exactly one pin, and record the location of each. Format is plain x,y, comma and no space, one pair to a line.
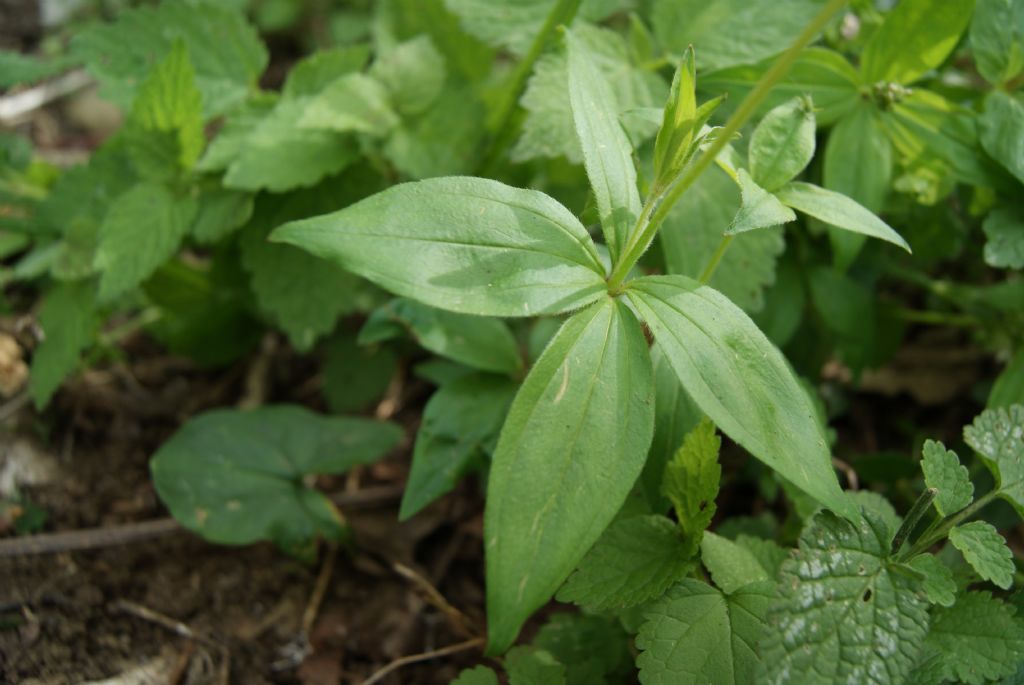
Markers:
460,622
316,598
425,656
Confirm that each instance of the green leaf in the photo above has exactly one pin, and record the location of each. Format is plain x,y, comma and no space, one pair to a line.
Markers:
467,245
480,675
845,612
758,207
916,37
68,320
314,73
356,376
633,562
165,129
142,230
691,480
942,471
354,102
783,143
714,29
460,424
838,210
414,74
939,586
572,446
997,39
531,666
17,68
978,639
740,380
996,436
986,551
594,649
1009,386
236,477
823,75
480,342
731,566
220,213
607,153
693,230
767,553
695,635
1002,131
230,141
226,52
858,164
1004,230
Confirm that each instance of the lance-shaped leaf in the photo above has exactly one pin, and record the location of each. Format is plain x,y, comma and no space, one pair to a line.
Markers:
986,551
997,437
607,154
783,143
838,210
572,446
943,471
740,380
468,245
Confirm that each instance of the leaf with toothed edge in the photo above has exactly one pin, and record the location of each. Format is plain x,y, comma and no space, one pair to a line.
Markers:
997,435
943,471
986,551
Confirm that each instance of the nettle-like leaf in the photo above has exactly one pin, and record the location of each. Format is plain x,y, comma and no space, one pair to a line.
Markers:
633,562
236,476
1002,131
731,565
480,675
68,320
414,74
977,640
1004,230
691,479
939,586
943,471
783,143
312,74
997,39
696,634
758,207
480,247
740,380
594,649
354,102
572,446
845,612
986,551
220,213
998,438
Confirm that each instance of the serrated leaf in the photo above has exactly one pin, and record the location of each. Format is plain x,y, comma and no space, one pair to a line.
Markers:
1002,131
460,425
758,207
480,342
740,380
142,230
915,37
230,141
997,437
532,666
481,675
767,553
986,551
1004,233
633,562
563,467
235,477
691,480
226,52
783,143
838,210
220,213
593,649
354,102
845,613
731,566
414,74
943,471
607,153
314,73
68,320
938,585
695,635
997,39
693,231
469,245
977,639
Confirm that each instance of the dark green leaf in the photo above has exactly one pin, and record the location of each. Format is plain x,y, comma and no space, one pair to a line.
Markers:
356,376
68,320
938,585
997,39
1002,131
997,438
942,471
691,480
978,639
1004,230
986,551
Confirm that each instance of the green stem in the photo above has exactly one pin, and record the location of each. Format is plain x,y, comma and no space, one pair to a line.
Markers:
716,258
950,522
913,516
643,234
937,318
563,12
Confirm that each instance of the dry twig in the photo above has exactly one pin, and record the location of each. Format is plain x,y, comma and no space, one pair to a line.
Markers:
425,656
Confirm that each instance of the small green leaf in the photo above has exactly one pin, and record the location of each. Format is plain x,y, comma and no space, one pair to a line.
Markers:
691,481
678,118
236,477
731,566
758,207
768,553
314,73
997,39
220,213
938,586
142,230
916,36
696,635
356,376
1009,386
1004,230
1002,131
480,675
997,438
68,321
563,465
978,639
414,74
607,153
595,650
532,666
986,551
17,68
838,210
481,342
460,424
633,562
740,380
845,612
467,245
354,102
783,143
942,471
